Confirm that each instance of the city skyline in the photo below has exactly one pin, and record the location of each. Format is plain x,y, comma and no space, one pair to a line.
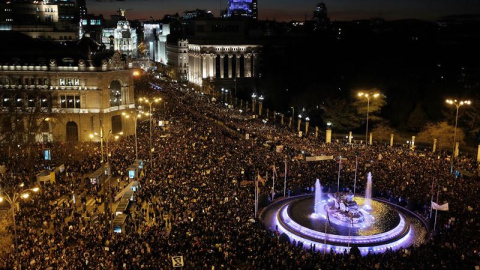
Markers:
286,10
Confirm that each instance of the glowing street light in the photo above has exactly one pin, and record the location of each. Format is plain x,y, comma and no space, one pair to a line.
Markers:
134,116
458,104
13,200
150,102
367,96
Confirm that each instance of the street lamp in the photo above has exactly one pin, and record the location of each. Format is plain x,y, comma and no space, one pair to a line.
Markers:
367,96
254,97
150,102
13,201
95,134
458,104
134,116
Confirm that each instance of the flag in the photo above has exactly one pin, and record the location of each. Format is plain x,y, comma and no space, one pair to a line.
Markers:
261,179
443,207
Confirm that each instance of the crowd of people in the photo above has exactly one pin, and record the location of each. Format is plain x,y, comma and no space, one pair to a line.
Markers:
196,197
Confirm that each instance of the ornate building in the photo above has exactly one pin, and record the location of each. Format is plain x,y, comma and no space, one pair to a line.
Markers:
222,62
66,99
121,38
222,50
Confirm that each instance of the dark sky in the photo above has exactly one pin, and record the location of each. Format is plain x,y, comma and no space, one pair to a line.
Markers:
286,10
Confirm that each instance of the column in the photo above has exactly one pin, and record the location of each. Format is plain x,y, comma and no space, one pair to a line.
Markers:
255,64
290,122
230,56
391,140
237,64
316,132
281,122
247,65
204,66
456,148
328,138
350,137
213,65
222,73
434,145
299,123
413,143
371,135
306,128
478,154
260,105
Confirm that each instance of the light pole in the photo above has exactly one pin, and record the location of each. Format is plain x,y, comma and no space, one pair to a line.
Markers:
115,136
13,201
367,96
134,116
458,104
150,102
95,134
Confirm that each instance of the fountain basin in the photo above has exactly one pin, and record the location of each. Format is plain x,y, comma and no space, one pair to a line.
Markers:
384,227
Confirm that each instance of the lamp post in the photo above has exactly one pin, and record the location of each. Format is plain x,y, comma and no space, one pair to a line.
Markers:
13,201
150,102
134,116
254,97
115,136
367,96
95,134
458,104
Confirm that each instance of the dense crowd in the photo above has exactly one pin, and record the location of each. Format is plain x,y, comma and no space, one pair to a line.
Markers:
200,198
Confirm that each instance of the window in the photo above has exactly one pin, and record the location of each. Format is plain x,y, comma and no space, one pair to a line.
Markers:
69,81
70,102
43,101
31,101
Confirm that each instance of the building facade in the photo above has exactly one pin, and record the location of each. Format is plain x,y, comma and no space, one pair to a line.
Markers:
177,54
68,99
222,62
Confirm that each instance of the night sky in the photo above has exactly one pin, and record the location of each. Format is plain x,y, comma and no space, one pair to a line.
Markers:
286,10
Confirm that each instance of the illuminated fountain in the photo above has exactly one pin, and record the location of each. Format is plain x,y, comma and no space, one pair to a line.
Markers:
368,193
318,198
340,220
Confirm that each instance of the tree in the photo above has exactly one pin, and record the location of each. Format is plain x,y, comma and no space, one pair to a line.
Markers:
417,118
443,132
382,132
339,112
472,118
373,104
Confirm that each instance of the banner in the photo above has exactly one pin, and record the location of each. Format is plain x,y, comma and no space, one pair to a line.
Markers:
318,158
443,207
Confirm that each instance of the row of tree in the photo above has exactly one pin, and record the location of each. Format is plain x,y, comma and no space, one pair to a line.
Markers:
347,115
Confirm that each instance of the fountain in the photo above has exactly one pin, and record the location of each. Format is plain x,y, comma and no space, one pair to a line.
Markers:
345,220
318,198
368,193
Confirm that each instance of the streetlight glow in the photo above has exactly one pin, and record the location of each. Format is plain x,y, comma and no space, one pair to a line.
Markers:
457,106
367,96
25,195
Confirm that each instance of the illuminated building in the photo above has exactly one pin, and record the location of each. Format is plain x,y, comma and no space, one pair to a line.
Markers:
79,95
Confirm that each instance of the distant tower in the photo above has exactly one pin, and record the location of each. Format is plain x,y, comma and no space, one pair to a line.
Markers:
320,12
82,8
242,8
320,16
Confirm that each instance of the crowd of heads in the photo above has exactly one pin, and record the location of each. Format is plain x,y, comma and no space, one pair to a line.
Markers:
196,197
